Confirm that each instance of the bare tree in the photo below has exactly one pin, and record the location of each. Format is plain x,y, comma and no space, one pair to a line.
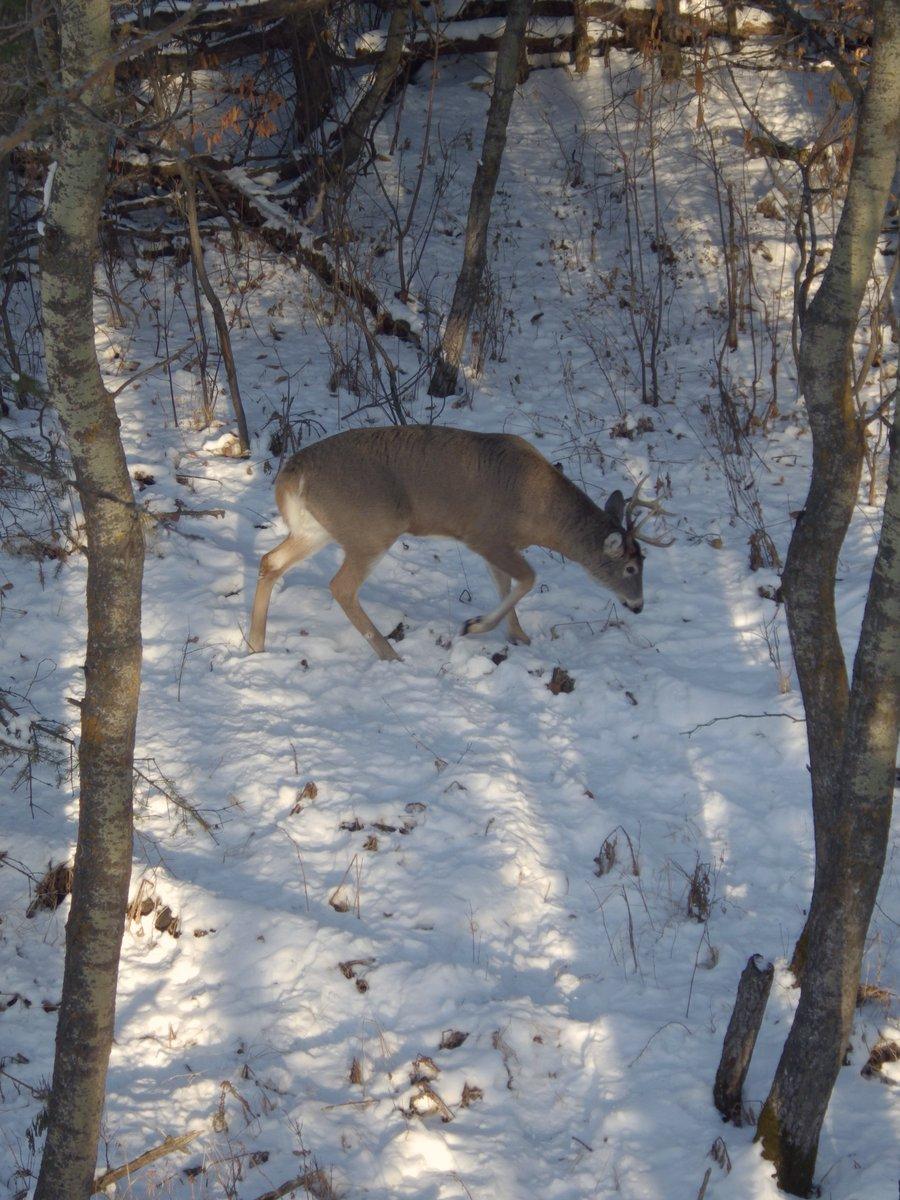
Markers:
443,379
115,553
851,726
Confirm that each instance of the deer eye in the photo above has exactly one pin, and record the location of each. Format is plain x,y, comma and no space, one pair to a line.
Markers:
631,569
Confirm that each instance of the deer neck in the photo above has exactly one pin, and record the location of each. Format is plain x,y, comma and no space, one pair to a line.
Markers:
575,526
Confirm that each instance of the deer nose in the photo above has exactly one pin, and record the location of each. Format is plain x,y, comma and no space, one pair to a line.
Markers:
636,608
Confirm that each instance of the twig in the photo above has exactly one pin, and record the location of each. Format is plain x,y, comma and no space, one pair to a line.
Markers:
299,860
506,1052
169,1146
166,787
367,1103
653,1035
630,929
741,716
37,1092
168,518
184,655
439,762
704,937
154,366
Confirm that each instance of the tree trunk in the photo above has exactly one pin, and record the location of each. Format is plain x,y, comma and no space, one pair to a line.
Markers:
670,46
115,557
314,94
852,731
443,380
581,45
349,142
731,21
838,437
16,47
355,132
189,182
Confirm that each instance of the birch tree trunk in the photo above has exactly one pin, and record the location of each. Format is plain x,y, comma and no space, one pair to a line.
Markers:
443,379
115,553
851,729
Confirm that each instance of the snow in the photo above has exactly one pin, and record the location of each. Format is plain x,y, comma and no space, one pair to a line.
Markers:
389,853
48,188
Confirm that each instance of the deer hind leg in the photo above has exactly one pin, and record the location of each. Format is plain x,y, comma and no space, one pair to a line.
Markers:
517,634
345,586
271,568
514,565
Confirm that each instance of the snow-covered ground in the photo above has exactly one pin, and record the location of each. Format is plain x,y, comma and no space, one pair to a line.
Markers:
398,860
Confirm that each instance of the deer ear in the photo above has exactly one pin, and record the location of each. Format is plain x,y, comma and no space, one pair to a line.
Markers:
613,545
615,507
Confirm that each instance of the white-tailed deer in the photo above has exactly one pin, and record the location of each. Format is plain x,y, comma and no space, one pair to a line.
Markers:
492,491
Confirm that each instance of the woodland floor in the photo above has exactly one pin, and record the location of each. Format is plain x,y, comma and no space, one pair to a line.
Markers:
451,804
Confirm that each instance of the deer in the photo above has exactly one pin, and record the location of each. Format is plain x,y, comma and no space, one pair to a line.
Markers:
494,492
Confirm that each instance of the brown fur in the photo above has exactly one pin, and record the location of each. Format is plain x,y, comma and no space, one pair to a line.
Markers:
492,491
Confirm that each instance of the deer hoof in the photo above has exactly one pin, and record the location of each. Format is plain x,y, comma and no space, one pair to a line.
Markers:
473,625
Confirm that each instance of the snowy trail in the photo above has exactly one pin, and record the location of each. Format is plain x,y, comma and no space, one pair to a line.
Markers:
486,915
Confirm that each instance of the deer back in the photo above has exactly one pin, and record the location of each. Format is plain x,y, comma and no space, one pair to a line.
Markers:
480,488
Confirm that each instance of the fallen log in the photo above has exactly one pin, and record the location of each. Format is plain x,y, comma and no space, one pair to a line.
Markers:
477,29
254,209
278,229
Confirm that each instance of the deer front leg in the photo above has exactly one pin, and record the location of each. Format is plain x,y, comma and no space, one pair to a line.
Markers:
517,634
345,588
514,565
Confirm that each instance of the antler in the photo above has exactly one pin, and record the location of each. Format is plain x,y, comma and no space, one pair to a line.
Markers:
655,510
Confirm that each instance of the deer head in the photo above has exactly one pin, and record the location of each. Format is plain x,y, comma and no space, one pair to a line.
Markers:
622,561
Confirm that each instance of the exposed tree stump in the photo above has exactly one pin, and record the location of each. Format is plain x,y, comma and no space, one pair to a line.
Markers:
740,1037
